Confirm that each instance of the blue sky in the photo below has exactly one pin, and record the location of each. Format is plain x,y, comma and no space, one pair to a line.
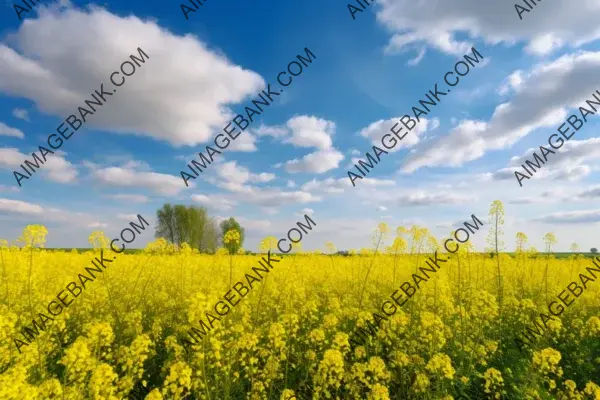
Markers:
203,71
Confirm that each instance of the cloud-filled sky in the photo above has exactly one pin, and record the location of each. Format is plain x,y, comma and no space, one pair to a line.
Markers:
293,159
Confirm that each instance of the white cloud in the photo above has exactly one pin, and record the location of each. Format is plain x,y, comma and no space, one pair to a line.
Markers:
234,173
97,224
273,131
19,207
571,217
21,114
266,197
131,198
328,185
376,182
378,129
215,202
6,130
127,217
128,176
317,163
246,142
591,193
56,168
180,94
310,131
422,198
307,211
381,208
541,100
257,225
291,184
5,188
332,185
451,26
566,164
512,83
530,200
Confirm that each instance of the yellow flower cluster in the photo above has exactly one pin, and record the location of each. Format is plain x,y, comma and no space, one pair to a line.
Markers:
292,330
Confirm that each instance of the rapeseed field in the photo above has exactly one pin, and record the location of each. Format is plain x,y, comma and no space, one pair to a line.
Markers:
121,337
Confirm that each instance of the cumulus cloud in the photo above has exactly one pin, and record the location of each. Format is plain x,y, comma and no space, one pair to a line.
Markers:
5,188
571,217
246,142
215,202
310,131
306,131
512,83
130,198
135,177
97,225
455,24
6,130
378,129
181,94
332,185
266,197
55,169
19,207
21,113
422,198
231,172
273,131
568,163
317,163
127,217
541,100
591,193
328,185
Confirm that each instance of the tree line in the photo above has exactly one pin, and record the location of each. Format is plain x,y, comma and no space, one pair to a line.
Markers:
179,224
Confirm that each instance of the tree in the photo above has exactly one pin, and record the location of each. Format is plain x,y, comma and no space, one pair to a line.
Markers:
165,219
594,250
232,225
181,224
210,241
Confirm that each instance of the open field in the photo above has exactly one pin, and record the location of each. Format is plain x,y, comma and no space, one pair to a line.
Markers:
293,328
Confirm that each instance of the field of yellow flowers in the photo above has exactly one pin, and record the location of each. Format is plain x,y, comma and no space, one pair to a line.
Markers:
453,338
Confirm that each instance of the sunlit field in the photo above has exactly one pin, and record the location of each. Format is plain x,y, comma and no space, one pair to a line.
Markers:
453,337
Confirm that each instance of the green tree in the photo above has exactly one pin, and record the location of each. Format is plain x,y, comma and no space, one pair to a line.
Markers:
181,224
165,220
232,225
